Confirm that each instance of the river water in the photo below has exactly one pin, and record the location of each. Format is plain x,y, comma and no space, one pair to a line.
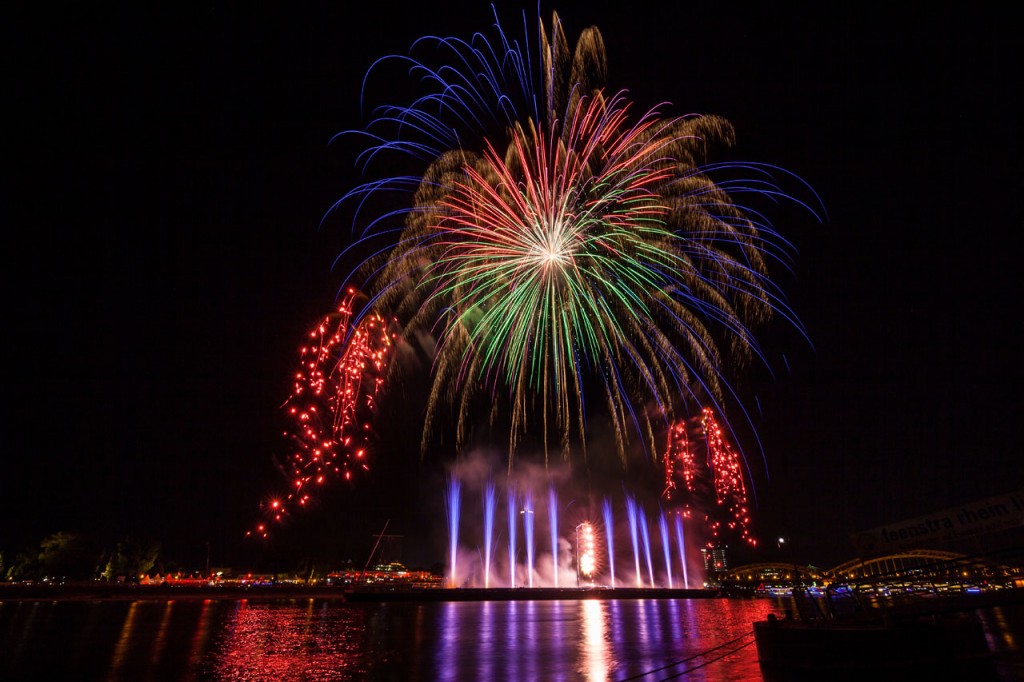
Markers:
324,639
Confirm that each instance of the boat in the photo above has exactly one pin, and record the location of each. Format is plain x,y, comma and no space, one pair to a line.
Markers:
829,643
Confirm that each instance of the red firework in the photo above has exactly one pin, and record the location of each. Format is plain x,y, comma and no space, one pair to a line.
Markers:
721,464
340,374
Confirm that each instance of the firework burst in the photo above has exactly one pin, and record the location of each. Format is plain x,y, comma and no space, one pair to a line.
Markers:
687,476
561,250
335,388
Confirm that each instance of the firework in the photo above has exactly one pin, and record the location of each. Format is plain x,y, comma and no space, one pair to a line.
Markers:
686,477
560,249
586,548
335,387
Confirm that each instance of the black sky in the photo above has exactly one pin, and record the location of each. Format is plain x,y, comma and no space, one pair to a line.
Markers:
167,171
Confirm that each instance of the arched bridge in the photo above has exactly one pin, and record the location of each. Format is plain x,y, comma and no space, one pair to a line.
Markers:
900,562
772,572
919,564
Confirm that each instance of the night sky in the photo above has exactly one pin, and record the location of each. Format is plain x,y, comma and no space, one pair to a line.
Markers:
166,174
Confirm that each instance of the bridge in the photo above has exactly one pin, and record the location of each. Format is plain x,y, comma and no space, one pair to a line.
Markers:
899,562
922,567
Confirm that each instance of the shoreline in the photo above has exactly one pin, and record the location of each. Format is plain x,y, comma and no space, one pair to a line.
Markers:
112,592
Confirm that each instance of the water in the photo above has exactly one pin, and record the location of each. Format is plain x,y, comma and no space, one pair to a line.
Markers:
681,541
527,513
645,534
553,527
666,544
489,503
321,639
513,509
609,532
453,505
631,514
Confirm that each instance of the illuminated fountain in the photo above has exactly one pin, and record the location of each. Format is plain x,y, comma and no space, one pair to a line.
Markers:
526,564
489,502
666,544
646,535
699,462
453,500
631,514
609,525
512,509
528,519
681,542
553,524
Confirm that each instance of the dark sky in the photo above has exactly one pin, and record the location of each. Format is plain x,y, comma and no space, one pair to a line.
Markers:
166,172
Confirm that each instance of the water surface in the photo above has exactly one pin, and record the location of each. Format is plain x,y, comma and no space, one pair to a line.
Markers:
319,639
313,639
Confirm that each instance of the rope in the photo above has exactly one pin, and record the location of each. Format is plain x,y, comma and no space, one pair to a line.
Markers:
727,653
687,660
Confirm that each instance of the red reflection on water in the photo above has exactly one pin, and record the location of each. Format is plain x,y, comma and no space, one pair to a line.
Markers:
202,634
123,642
160,641
267,642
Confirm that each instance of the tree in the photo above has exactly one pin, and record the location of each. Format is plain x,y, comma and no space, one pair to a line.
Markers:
25,567
132,558
67,556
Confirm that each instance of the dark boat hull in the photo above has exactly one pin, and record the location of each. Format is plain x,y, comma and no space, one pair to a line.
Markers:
826,647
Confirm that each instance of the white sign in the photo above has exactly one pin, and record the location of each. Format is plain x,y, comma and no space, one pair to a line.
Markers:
977,518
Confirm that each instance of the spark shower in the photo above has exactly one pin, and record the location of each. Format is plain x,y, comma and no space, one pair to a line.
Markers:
563,260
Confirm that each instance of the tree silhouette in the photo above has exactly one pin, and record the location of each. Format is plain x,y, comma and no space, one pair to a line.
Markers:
69,556
132,558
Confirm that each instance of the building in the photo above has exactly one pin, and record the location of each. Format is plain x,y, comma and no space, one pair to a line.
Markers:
715,559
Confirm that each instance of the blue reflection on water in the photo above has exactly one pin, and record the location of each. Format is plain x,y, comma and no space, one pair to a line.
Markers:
588,639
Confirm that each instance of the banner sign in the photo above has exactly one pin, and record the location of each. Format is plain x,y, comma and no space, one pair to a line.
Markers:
977,518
